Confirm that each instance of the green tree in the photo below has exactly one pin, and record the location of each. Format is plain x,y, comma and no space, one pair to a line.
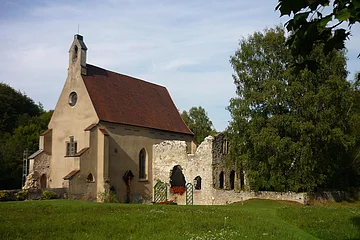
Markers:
290,131
199,123
310,26
21,122
15,108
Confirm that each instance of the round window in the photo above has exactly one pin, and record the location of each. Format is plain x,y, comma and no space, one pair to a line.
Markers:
72,99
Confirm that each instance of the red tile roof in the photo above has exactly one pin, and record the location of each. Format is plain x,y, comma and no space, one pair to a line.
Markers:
122,99
78,154
103,130
90,127
71,174
45,132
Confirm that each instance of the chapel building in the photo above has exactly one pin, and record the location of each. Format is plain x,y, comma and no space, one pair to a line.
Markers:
104,126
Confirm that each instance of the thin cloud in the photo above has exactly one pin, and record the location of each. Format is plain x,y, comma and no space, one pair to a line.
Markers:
183,45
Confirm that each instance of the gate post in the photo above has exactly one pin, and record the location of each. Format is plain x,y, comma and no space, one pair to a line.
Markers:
189,194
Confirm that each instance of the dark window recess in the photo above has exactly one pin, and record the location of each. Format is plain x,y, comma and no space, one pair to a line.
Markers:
197,183
90,178
142,164
242,180
232,179
221,180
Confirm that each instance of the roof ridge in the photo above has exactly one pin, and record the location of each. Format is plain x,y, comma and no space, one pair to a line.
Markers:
87,64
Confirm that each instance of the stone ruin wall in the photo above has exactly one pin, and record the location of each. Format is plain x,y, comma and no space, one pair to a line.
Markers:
220,164
41,166
168,154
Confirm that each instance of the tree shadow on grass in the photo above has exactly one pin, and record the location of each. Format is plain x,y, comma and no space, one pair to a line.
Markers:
356,223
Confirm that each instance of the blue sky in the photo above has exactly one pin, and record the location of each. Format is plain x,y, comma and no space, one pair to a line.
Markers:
183,45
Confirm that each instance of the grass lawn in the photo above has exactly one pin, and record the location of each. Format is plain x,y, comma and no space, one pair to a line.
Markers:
256,219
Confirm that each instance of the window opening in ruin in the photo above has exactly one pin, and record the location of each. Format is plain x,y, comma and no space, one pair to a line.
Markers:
177,177
221,180
71,147
232,179
90,178
43,181
225,147
142,164
242,180
197,183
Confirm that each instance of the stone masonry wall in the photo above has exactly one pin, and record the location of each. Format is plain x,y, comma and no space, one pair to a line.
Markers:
168,154
41,166
219,154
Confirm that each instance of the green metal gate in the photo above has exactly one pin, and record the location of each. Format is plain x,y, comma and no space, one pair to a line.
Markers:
160,192
189,194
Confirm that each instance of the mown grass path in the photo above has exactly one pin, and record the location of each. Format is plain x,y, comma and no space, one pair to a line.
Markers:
256,219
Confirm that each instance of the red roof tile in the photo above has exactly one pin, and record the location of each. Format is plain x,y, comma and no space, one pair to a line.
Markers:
91,126
71,174
45,132
78,154
122,99
103,130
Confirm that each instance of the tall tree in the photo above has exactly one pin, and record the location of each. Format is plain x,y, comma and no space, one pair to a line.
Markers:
199,123
15,107
316,22
22,121
289,131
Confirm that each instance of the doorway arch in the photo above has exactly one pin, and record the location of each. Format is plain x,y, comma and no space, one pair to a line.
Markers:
43,181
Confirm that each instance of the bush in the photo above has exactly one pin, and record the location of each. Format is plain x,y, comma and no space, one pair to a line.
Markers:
108,197
4,196
22,195
49,194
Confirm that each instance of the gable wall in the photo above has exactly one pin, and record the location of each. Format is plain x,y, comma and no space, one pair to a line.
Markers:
69,121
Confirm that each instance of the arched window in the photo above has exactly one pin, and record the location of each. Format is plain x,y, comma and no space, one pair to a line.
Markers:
142,164
197,183
90,178
221,180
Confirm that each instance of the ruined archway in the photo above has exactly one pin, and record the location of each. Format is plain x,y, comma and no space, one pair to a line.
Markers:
177,177
221,180
242,180
232,179
43,181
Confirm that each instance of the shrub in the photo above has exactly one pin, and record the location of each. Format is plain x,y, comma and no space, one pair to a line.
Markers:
49,194
177,190
4,196
167,202
22,195
108,197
